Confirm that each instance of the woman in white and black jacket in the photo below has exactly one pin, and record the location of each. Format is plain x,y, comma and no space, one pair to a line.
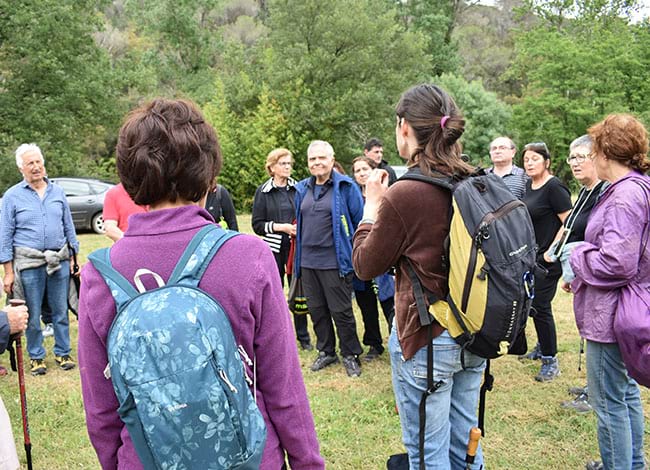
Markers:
273,219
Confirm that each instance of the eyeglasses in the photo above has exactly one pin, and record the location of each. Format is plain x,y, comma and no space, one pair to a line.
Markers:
577,159
284,163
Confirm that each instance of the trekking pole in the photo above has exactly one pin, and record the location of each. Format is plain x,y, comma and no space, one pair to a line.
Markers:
472,447
23,394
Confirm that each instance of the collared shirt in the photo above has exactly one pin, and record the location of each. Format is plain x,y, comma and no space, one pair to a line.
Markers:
515,180
32,222
317,239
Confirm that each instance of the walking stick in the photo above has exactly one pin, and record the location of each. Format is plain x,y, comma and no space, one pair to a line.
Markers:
472,446
23,394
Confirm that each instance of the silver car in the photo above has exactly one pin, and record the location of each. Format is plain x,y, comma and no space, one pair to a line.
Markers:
86,199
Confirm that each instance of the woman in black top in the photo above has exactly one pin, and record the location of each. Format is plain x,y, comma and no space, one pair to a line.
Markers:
549,202
220,206
273,219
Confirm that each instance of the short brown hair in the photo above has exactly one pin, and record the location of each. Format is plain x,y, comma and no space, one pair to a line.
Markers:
166,152
274,157
622,137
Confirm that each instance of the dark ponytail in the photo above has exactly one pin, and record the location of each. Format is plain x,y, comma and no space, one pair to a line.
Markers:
438,124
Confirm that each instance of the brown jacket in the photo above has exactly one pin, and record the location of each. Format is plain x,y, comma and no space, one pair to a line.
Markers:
412,222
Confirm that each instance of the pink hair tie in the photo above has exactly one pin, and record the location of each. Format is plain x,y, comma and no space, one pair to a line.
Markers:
443,121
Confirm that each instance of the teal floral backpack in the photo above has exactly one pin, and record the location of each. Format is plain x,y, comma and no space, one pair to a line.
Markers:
176,369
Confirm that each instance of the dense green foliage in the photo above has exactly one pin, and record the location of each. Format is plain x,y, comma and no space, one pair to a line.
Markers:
272,73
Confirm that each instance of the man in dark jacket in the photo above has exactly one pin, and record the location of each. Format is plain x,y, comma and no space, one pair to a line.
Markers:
374,149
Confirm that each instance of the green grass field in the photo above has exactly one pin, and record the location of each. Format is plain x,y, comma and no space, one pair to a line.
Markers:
355,418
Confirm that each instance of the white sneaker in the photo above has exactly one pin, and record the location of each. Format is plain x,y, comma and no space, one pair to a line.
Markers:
48,330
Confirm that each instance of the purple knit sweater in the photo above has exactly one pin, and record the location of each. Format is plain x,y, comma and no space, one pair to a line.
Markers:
243,278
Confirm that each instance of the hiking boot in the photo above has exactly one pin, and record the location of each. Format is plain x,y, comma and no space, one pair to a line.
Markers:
534,355
306,346
549,370
579,404
352,366
38,367
323,360
373,353
594,465
577,391
48,330
65,362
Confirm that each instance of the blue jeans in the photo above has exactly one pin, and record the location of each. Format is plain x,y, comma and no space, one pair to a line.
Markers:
36,283
451,410
615,398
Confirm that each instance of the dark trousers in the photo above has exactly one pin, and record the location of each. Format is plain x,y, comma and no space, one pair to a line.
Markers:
542,312
300,321
367,302
329,297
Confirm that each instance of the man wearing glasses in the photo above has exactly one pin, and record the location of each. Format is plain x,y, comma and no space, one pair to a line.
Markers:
502,153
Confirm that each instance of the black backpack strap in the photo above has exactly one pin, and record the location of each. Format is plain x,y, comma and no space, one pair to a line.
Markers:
426,319
488,382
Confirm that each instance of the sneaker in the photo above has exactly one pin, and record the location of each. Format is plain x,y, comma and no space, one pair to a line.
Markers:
579,404
577,391
48,330
65,362
594,465
352,366
549,370
373,353
38,367
534,355
323,360
306,346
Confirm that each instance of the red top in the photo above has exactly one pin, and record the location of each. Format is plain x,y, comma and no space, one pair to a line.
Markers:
118,206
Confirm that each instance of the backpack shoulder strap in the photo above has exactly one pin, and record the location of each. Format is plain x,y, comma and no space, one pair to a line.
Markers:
417,176
198,254
121,289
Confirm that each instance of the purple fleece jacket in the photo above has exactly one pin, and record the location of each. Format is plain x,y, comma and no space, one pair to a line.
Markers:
243,278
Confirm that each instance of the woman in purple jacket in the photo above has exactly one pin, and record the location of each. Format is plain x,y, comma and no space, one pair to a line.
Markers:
167,157
613,256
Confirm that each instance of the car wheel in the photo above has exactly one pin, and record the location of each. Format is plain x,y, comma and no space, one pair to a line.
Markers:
97,223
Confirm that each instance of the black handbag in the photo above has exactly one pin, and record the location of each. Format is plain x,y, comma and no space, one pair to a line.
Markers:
297,300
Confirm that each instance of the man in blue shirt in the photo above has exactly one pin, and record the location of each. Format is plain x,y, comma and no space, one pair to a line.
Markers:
35,232
328,208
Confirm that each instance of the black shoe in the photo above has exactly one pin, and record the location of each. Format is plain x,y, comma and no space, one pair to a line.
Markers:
533,355
352,366
373,353
323,360
306,346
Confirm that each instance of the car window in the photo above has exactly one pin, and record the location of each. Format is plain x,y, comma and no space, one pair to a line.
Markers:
99,188
74,188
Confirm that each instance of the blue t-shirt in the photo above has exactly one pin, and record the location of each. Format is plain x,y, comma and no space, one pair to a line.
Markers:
317,237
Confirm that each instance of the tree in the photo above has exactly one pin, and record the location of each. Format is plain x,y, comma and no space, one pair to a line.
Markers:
57,85
338,76
575,75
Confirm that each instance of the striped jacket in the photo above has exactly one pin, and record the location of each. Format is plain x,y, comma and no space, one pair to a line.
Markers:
273,204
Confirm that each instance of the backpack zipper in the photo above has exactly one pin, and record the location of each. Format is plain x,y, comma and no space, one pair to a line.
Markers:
482,233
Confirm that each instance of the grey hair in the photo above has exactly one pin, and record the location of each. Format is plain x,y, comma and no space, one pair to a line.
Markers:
25,148
582,141
320,143
512,142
